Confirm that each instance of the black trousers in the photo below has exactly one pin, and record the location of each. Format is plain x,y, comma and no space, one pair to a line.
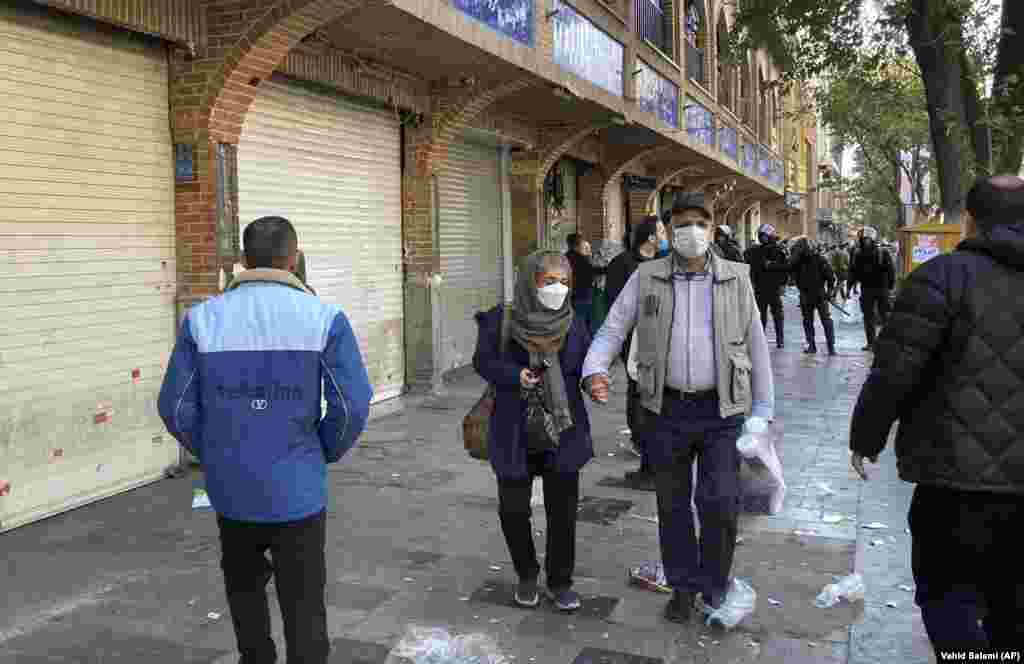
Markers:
636,419
872,300
561,501
810,305
772,300
298,565
966,560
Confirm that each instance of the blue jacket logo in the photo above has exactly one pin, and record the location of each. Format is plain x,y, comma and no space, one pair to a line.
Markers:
259,404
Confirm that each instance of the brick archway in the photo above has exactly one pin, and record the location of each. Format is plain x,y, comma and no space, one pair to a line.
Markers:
624,164
229,90
550,155
665,179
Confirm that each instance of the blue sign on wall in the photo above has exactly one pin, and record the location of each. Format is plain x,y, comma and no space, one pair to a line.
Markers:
512,18
727,141
658,95
184,165
586,50
700,122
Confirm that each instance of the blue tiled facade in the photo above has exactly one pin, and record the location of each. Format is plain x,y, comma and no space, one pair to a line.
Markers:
586,50
512,18
658,95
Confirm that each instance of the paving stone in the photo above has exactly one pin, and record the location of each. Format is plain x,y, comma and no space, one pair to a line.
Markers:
617,482
351,651
360,597
599,656
603,511
107,646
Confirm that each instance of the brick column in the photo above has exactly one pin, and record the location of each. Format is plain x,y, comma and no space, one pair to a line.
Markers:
591,204
527,204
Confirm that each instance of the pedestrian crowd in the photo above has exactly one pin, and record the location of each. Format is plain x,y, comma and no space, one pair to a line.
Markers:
688,318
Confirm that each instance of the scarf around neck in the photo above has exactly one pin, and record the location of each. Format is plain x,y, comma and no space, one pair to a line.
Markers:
542,332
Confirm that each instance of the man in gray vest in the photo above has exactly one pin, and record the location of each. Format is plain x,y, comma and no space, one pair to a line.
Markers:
704,373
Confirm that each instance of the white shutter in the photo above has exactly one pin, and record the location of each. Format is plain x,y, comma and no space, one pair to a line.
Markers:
332,168
470,239
87,274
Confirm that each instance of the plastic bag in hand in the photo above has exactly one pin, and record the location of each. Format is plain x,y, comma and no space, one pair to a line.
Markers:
757,446
739,602
425,645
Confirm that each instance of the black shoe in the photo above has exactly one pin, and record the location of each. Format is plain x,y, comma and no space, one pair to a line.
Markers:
527,594
679,608
780,345
811,350
867,348
832,352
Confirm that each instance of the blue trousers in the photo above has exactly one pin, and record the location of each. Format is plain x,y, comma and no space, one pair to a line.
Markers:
687,431
585,312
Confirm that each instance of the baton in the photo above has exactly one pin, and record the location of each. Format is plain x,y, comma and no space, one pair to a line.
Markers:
845,312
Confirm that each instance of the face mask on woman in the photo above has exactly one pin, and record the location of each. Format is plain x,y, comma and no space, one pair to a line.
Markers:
663,246
690,241
553,296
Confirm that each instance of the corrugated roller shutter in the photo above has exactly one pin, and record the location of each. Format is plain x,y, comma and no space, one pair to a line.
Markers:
87,278
469,204
332,168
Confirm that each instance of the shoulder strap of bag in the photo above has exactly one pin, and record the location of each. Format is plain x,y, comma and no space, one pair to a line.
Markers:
506,326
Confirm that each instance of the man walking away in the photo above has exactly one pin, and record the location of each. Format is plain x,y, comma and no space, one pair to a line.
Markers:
839,258
242,393
769,271
816,282
703,367
874,270
728,245
584,273
950,369
650,238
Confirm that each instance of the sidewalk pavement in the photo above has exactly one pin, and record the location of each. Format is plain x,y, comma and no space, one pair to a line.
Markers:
413,539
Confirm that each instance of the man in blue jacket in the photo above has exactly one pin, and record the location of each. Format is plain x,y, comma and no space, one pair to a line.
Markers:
242,393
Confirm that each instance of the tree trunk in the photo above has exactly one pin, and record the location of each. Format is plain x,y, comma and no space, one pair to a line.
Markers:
928,26
1008,92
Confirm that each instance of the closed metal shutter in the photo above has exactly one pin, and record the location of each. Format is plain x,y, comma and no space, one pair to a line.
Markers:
332,168
87,277
470,239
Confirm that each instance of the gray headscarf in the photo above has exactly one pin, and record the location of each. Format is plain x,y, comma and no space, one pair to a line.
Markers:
542,332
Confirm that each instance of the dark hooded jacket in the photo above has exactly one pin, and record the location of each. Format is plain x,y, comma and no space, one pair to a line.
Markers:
949,366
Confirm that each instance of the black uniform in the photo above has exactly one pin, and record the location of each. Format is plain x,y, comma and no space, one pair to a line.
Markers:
874,270
816,281
769,271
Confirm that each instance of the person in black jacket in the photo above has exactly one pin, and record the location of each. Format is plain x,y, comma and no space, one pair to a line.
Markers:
816,282
649,239
584,273
873,269
769,271
727,244
950,368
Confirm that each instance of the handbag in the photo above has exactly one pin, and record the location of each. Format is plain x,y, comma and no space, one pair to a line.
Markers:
540,424
476,425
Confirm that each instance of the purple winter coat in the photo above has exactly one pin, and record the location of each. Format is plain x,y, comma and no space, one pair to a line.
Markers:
507,444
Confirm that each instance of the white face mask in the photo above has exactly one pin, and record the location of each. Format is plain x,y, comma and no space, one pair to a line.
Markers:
553,296
690,241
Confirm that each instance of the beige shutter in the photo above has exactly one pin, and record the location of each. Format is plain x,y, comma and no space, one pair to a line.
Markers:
470,241
332,168
87,275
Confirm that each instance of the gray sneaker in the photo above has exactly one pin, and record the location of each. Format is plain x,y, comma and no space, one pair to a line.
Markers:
565,600
527,594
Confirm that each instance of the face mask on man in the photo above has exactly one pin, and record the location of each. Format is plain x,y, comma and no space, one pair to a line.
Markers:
690,241
663,246
553,296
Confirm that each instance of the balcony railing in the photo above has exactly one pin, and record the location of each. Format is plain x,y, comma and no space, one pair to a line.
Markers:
695,63
650,25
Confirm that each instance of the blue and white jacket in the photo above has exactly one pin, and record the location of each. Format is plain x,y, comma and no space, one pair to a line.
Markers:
243,394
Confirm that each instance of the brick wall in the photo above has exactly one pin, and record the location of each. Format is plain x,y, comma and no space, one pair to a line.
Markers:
591,204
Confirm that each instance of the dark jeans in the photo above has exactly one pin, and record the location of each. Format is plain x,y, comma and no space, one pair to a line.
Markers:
561,501
772,300
688,430
637,419
872,300
299,569
966,560
810,305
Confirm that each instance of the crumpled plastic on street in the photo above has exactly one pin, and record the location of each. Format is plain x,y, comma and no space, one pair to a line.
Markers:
739,602
850,587
650,575
431,645
758,449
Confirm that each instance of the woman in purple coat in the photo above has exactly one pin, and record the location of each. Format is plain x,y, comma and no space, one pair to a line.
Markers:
542,362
